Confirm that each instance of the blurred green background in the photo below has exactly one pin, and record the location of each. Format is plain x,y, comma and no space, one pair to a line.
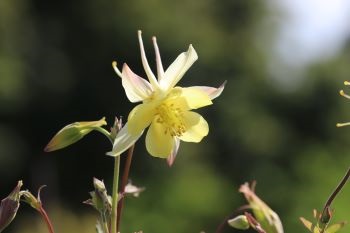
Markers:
274,123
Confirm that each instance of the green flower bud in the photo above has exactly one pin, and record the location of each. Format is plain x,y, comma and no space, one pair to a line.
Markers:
9,207
100,200
240,222
73,133
31,200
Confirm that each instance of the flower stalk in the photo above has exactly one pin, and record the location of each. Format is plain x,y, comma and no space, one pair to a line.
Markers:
114,215
125,179
326,212
46,219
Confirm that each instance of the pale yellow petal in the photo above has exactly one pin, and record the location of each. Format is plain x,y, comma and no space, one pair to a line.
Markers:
212,92
140,117
171,158
195,98
158,143
196,127
178,68
136,88
123,141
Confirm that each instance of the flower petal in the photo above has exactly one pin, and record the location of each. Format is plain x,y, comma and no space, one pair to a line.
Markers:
172,156
123,141
196,127
212,92
195,98
178,68
136,88
158,143
140,117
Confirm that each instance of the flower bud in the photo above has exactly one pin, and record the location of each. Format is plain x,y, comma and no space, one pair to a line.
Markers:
118,124
31,200
100,200
268,219
73,133
9,207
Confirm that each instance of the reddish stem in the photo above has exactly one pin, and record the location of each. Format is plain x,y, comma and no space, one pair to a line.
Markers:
329,201
254,223
47,219
336,191
124,182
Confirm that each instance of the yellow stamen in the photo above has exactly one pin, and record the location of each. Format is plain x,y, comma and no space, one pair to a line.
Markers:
343,124
342,93
171,117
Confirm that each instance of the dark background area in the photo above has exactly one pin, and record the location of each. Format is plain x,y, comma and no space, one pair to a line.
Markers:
55,69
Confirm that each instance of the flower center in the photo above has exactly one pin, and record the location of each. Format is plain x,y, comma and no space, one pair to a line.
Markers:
171,117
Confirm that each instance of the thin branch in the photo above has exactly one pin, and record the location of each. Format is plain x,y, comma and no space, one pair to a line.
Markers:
124,182
326,208
47,219
336,191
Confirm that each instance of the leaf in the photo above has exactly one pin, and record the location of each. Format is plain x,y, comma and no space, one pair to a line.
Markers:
99,228
309,225
335,227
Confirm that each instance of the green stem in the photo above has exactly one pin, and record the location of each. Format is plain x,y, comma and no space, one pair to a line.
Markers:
114,215
105,132
104,223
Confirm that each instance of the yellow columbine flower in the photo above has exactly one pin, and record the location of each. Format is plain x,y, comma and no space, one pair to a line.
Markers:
165,108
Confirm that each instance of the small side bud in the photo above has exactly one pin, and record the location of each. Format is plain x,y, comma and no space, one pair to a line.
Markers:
118,124
240,222
268,219
100,200
9,207
73,133
31,200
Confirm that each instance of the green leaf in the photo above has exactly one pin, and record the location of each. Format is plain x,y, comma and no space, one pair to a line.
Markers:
240,222
309,225
335,227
